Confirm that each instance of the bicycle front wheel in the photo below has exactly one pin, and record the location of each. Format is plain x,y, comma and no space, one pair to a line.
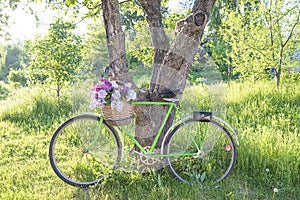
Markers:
200,152
83,152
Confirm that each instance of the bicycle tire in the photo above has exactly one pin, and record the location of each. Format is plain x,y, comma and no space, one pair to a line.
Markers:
78,157
214,151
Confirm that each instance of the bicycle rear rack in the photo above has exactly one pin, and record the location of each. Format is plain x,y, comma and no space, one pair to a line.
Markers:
208,116
202,116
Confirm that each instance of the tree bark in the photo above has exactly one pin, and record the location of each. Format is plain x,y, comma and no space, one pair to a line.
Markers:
115,40
171,64
150,117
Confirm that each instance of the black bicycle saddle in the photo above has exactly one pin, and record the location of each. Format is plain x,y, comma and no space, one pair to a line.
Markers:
170,93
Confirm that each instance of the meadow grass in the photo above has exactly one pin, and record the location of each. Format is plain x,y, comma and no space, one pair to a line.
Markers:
268,155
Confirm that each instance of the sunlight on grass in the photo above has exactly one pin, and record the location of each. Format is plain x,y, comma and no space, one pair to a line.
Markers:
266,118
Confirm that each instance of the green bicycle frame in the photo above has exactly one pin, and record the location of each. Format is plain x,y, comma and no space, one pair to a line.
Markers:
132,138
171,106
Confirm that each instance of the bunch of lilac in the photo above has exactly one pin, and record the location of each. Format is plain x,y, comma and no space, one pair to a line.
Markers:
110,93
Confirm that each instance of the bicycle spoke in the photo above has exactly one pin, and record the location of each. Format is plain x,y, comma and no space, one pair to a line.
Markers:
80,154
214,157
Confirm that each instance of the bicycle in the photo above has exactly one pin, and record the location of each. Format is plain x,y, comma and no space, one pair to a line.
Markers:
85,149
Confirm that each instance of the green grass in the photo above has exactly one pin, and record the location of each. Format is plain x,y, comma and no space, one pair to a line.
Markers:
267,120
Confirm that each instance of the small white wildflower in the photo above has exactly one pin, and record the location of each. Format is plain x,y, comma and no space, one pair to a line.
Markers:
275,190
267,170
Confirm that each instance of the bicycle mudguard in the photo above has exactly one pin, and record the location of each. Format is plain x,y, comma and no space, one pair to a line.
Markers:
233,131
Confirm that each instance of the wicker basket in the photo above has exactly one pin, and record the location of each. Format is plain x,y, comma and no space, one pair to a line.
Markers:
115,118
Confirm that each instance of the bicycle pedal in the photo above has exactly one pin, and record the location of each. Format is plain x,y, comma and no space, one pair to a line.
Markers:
131,152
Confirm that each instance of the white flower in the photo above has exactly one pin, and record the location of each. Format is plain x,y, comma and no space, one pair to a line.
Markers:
275,190
128,85
97,102
93,104
116,95
267,170
114,84
131,94
102,94
117,105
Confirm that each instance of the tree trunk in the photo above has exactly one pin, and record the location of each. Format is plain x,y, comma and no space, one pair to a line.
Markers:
115,40
278,71
171,64
150,117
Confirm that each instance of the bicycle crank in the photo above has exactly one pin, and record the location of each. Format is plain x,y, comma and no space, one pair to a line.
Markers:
149,160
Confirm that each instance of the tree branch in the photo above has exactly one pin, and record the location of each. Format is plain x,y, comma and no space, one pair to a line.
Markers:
292,31
160,41
124,1
271,29
251,47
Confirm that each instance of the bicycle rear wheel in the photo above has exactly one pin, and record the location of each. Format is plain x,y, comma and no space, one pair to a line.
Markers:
200,151
82,153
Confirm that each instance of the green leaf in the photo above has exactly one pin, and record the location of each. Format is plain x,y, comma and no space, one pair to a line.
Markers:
202,178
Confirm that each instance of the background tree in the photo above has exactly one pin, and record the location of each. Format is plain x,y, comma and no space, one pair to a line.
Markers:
262,36
55,60
2,58
13,57
213,41
95,51
4,17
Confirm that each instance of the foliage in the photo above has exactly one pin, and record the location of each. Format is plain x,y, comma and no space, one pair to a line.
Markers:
2,56
267,155
95,55
55,59
4,17
139,45
220,52
261,36
131,13
14,58
4,90
213,41
17,76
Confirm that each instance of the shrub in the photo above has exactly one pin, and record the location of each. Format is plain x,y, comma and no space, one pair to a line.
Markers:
17,76
4,90
34,109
